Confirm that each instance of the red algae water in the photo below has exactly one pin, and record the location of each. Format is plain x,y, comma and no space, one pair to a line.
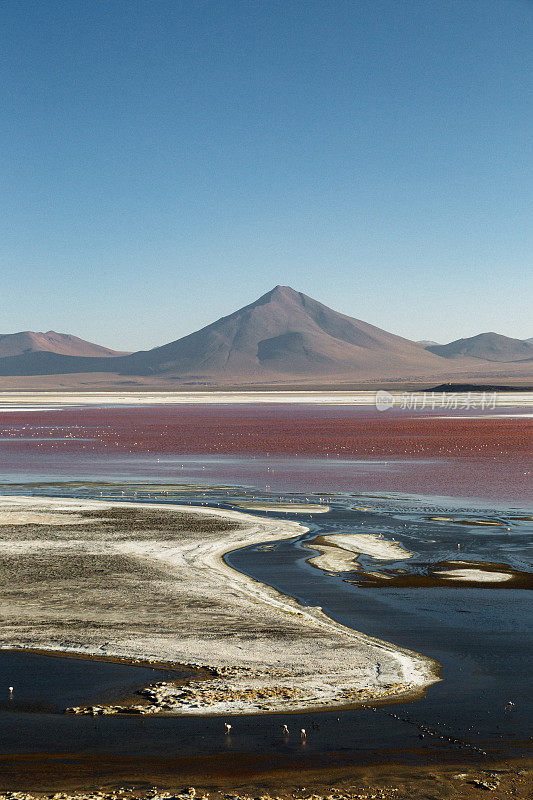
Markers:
282,447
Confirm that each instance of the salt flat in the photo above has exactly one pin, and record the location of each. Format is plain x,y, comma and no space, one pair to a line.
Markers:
39,400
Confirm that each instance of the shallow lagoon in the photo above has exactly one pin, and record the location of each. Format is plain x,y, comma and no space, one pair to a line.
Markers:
482,636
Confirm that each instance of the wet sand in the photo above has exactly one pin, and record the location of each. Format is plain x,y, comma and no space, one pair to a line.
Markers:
85,779
475,575
438,575
293,508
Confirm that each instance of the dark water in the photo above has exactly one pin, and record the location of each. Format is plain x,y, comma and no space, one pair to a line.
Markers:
482,637
52,683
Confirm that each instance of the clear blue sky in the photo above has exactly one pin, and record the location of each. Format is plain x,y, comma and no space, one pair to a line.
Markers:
163,163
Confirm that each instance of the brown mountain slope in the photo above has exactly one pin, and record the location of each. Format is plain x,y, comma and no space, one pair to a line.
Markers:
15,344
487,346
283,338
284,332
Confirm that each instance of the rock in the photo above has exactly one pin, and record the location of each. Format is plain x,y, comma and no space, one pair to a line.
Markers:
490,786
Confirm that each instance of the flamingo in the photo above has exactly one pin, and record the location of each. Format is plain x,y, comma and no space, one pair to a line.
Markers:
228,727
303,734
285,730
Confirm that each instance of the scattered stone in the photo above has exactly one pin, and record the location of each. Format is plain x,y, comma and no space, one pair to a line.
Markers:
490,786
254,694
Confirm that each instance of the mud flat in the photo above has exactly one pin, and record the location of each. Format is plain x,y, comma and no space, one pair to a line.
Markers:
148,582
509,779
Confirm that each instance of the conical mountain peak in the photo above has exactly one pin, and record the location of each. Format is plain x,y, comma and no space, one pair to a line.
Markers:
278,294
283,331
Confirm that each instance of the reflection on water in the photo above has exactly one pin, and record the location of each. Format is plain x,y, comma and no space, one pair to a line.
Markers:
280,476
481,636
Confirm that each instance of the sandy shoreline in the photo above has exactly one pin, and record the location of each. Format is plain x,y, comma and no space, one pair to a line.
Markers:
462,780
146,582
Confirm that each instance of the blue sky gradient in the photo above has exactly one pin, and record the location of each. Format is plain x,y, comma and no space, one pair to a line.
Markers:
163,163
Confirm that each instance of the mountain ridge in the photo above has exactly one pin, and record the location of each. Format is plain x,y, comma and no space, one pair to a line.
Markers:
280,337
15,344
489,346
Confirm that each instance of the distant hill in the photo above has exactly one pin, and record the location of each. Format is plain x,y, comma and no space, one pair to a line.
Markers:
284,337
487,346
453,388
426,341
16,344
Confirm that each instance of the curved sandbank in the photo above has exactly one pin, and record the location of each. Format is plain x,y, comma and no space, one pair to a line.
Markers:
474,575
295,508
148,582
495,523
338,552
